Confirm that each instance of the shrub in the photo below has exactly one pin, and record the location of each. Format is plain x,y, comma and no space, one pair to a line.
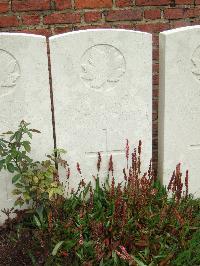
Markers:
135,222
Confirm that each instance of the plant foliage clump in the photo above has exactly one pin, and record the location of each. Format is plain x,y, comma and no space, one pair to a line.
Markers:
135,222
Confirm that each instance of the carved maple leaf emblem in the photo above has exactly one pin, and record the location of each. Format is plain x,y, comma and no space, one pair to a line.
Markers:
101,64
9,70
196,62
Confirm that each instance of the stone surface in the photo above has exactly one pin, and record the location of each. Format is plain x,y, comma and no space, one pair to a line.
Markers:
179,107
102,82
24,95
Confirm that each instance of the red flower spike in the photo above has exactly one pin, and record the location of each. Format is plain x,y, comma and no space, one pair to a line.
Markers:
113,187
127,152
78,168
68,173
110,169
99,161
186,183
125,176
140,147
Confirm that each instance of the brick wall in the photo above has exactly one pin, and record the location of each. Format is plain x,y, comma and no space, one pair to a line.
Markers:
49,17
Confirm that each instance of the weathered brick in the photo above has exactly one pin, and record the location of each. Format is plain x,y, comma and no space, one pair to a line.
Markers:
125,26
29,5
92,3
152,2
123,3
4,6
59,30
153,27
178,24
118,15
62,4
155,54
155,39
8,21
45,32
100,26
155,68
30,19
184,2
152,14
178,13
92,16
62,18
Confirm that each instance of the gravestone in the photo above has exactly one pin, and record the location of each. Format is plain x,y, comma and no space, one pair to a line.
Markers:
24,95
179,107
102,84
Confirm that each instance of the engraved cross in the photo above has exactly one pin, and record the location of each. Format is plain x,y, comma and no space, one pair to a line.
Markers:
106,151
195,146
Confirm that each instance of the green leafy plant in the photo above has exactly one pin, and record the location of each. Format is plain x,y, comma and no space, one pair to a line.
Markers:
135,222
34,181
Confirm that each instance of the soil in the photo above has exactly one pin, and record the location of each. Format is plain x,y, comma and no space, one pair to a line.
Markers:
13,251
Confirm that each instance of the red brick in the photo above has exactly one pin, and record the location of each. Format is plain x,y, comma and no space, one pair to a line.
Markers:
178,24
59,30
118,15
197,2
155,68
153,27
176,13
155,81
28,5
123,3
155,54
63,4
4,7
92,16
152,14
100,26
92,3
30,19
155,39
62,18
152,2
184,2
45,32
125,26
155,91
8,21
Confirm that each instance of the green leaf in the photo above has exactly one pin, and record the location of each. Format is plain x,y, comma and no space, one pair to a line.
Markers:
114,256
16,191
19,202
34,130
70,244
2,164
15,178
11,168
30,135
26,196
139,262
37,221
18,136
56,248
8,159
27,146
8,133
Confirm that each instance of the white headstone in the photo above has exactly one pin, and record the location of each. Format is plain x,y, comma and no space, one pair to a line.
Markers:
24,95
102,83
179,107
